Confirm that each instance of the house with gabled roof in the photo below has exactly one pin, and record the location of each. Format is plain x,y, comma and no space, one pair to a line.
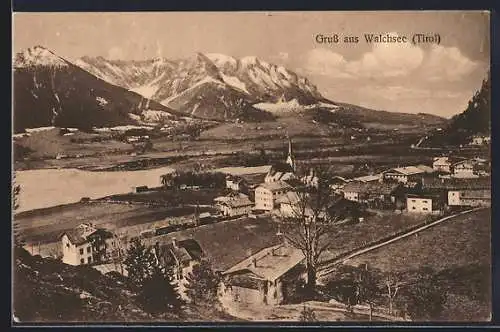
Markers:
404,174
266,278
87,244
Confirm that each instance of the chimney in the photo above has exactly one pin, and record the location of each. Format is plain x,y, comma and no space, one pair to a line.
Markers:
174,242
254,261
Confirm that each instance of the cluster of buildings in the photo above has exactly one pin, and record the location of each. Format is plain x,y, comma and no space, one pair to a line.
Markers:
254,260
455,182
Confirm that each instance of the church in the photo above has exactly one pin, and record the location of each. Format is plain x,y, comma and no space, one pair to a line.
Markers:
283,171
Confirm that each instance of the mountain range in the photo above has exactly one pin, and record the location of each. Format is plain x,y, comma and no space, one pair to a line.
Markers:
94,91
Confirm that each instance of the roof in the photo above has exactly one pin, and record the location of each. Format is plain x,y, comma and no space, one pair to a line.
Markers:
407,170
247,236
476,194
184,251
457,183
338,179
276,186
290,197
281,167
368,178
424,195
80,235
271,263
426,168
238,202
370,187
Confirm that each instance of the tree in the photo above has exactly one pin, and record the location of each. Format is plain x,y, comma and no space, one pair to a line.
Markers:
367,287
157,293
425,297
307,315
309,226
16,190
153,282
392,285
140,263
202,283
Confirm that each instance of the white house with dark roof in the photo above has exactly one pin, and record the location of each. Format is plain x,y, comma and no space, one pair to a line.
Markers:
265,278
87,244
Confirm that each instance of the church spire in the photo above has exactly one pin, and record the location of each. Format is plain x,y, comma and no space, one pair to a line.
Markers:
290,160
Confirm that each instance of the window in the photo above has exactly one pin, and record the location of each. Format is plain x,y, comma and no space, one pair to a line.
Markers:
89,259
82,261
88,249
414,208
413,200
81,251
425,209
425,202
67,245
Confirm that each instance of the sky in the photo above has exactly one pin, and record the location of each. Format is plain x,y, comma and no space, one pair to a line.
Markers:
399,77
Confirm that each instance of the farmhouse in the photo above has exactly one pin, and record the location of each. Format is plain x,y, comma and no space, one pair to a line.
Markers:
267,193
265,278
236,206
365,192
87,244
469,197
403,174
464,169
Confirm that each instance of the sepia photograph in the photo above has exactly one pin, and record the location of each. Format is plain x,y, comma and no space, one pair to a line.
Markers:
202,167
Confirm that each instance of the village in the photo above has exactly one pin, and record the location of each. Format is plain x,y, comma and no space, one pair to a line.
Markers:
245,235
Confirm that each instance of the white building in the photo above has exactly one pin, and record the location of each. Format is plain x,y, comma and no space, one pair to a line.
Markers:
87,245
267,193
422,204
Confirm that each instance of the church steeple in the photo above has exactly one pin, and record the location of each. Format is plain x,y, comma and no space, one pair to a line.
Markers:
290,160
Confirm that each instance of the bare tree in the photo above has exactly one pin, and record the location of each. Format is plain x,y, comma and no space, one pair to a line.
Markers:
392,285
308,224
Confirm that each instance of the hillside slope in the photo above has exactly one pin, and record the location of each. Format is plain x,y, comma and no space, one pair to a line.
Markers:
475,119
46,290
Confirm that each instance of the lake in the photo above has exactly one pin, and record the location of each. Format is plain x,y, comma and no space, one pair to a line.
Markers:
43,188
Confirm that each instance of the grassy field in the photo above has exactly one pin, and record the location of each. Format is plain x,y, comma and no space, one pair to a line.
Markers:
350,236
459,251
46,225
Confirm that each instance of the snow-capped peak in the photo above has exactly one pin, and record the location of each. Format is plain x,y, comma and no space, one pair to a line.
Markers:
38,56
220,59
249,60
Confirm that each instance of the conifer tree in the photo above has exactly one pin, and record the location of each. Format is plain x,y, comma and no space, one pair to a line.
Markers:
202,283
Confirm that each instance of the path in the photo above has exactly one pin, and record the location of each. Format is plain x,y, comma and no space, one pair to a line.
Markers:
330,266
